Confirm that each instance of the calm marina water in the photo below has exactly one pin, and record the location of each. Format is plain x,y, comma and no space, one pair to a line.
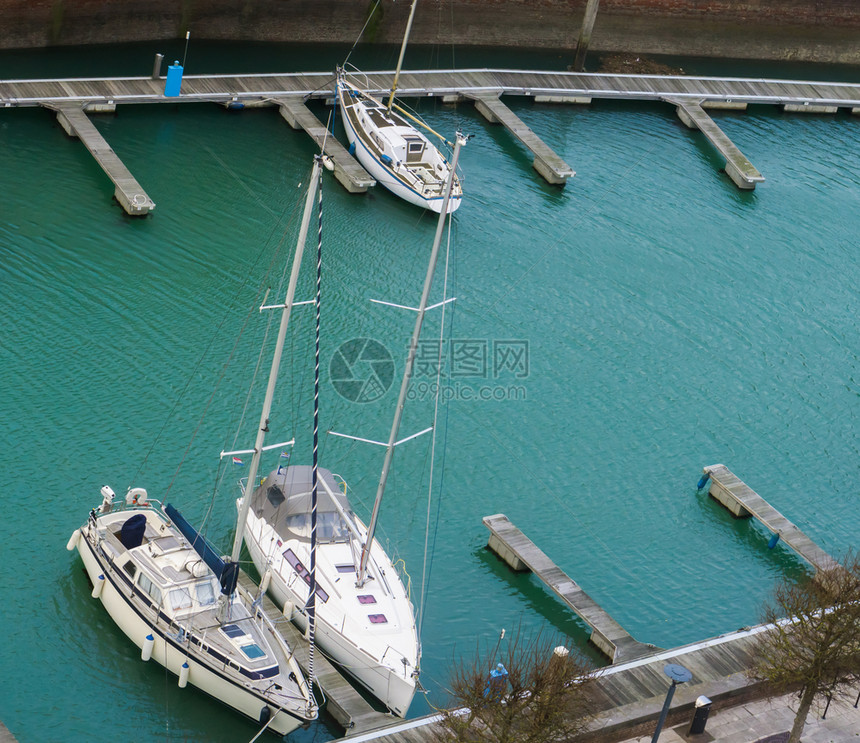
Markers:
644,321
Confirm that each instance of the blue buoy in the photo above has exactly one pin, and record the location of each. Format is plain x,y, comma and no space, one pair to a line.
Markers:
235,105
174,80
352,148
773,540
703,481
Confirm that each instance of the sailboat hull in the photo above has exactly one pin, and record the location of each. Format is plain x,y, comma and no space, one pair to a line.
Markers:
423,186
165,650
376,664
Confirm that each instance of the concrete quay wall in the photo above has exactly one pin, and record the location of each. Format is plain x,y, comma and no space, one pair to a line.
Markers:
800,30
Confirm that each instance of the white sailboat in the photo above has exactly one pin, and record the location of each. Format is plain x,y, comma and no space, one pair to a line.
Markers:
169,591
396,153
364,619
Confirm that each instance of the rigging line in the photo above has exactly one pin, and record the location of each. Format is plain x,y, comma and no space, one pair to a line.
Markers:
435,429
312,586
363,29
610,189
192,375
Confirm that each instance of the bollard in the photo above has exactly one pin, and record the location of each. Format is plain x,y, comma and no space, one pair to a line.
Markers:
700,716
156,66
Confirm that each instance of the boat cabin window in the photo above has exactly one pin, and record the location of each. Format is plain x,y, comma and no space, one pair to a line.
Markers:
302,571
275,495
330,526
149,587
205,593
180,598
130,568
253,651
414,150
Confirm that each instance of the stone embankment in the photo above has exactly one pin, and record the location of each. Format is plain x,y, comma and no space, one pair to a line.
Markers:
800,30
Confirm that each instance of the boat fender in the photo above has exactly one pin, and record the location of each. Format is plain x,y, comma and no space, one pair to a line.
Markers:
146,651
265,714
264,584
352,148
98,586
328,163
288,610
386,159
183,675
136,497
703,481
773,540
73,540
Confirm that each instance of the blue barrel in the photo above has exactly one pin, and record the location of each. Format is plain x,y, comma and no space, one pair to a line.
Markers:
174,80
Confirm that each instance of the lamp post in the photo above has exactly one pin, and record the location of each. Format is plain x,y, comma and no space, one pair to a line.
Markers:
679,675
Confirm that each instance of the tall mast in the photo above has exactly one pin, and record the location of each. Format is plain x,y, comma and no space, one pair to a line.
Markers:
410,362
402,53
276,362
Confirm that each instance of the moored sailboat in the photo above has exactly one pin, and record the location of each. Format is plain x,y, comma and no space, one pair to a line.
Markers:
361,612
169,591
396,153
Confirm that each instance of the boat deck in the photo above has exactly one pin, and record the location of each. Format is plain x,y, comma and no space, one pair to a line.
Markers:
343,702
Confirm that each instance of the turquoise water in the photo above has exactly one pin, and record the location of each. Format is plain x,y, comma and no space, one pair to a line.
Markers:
670,322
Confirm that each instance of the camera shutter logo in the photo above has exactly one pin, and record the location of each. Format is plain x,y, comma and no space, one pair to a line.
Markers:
361,370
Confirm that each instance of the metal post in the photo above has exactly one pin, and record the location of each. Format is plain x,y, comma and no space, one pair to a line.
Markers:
679,675
156,67
585,35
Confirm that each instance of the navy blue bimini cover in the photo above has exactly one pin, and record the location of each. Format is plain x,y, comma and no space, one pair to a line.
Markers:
131,534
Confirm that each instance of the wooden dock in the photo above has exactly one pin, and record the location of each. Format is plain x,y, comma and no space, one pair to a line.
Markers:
742,501
518,551
128,191
546,162
738,167
346,168
5,735
629,696
343,702
484,86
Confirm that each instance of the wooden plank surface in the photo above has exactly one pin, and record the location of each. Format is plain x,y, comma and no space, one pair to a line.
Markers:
625,646
344,703
731,485
220,88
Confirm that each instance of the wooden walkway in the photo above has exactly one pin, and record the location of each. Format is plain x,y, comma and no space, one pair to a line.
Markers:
289,91
629,696
128,191
346,168
5,735
738,168
343,702
546,162
742,501
518,551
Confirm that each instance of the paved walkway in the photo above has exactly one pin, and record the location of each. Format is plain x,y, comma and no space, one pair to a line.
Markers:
762,721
